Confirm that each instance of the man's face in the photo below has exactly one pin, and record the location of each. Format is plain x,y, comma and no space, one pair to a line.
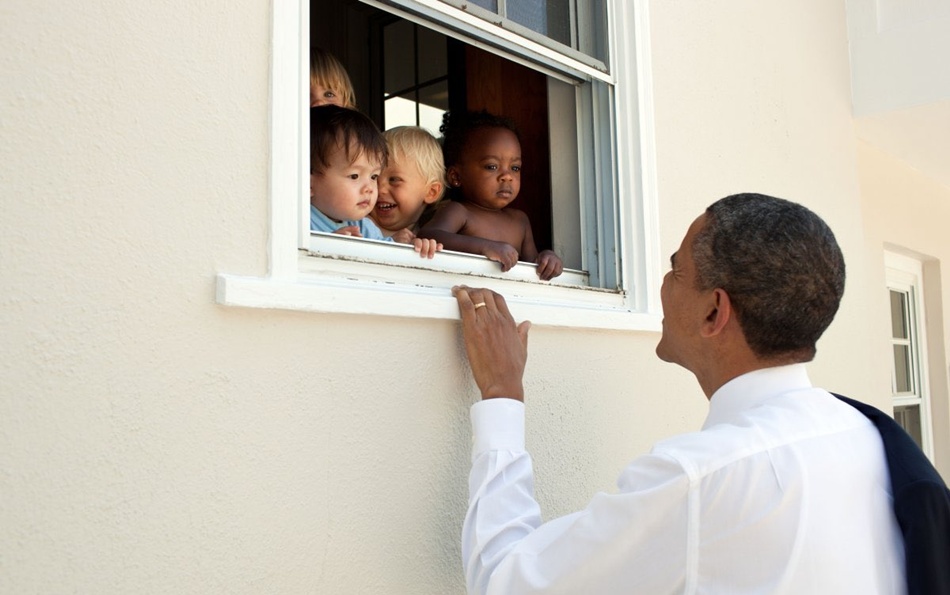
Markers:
684,306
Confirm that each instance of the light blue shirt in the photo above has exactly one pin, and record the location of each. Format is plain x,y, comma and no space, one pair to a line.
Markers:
368,229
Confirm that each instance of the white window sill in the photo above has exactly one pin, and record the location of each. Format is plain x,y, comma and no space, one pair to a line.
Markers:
357,276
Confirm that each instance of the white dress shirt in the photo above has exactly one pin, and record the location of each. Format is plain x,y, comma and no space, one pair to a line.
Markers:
785,490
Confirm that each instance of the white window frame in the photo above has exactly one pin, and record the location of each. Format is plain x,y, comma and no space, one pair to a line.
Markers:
905,274
296,280
500,16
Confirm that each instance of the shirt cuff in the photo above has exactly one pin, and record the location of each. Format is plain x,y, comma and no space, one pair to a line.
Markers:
497,424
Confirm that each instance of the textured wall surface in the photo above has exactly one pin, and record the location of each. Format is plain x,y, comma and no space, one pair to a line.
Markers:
152,441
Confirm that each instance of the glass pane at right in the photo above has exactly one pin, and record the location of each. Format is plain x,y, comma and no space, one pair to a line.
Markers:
903,381
552,18
578,24
908,416
898,314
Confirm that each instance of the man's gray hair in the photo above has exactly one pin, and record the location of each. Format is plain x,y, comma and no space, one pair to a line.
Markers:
781,266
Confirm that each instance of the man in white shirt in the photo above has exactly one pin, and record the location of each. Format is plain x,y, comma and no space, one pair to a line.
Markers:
784,490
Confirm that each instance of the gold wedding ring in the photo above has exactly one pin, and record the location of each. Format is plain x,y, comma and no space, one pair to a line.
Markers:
479,305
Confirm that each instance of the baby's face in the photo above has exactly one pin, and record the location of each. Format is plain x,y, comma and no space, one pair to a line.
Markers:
403,194
489,169
344,190
320,95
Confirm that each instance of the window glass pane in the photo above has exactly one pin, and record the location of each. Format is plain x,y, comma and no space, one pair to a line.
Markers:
908,416
559,21
433,102
433,61
398,62
898,315
400,111
903,381
491,5
592,28
577,24
530,13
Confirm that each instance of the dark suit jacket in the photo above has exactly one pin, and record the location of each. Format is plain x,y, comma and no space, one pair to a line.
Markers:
921,505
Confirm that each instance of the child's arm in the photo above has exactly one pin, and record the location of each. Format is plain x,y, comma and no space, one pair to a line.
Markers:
549,264
445,225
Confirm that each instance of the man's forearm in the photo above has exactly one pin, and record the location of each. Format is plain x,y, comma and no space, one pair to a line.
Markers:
502,509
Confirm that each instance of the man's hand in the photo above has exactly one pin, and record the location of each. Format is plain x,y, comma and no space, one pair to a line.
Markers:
497,348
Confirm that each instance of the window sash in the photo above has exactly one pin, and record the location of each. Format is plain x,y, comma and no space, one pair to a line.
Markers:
352,249
583,31
598,195
522,46
905,278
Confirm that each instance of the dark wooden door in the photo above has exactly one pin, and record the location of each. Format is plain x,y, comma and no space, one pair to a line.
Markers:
505,88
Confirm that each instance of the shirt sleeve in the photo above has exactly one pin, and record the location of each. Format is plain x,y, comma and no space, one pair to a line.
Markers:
632,541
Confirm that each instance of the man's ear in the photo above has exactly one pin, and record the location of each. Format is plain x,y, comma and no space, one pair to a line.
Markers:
311,184
433,193
718,314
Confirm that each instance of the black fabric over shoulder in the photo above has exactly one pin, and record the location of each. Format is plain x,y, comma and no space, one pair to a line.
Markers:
921,505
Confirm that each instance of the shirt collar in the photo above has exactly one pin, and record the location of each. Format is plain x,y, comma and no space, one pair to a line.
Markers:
752,388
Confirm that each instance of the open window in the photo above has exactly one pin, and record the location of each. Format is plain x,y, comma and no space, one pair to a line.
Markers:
577,90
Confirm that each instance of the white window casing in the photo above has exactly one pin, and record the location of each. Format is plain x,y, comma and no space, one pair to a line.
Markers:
335,274
905,277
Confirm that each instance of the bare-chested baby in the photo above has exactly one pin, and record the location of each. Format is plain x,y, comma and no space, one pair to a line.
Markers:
483,161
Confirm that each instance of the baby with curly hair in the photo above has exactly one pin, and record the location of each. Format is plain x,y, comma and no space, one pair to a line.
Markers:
483,159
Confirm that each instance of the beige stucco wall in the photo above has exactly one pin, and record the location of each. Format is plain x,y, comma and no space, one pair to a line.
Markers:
152,441
907,212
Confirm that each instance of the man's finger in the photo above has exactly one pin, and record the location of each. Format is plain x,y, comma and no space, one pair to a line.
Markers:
523,329
501,305
465,300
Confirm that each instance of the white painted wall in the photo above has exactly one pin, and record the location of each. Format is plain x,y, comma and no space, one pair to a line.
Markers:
899,53
754,96
152,441
907,212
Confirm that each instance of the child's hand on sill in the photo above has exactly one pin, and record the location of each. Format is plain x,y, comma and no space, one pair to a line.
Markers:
502,253
426,247
549,265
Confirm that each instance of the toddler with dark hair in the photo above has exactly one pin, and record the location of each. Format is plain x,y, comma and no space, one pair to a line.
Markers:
347,152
